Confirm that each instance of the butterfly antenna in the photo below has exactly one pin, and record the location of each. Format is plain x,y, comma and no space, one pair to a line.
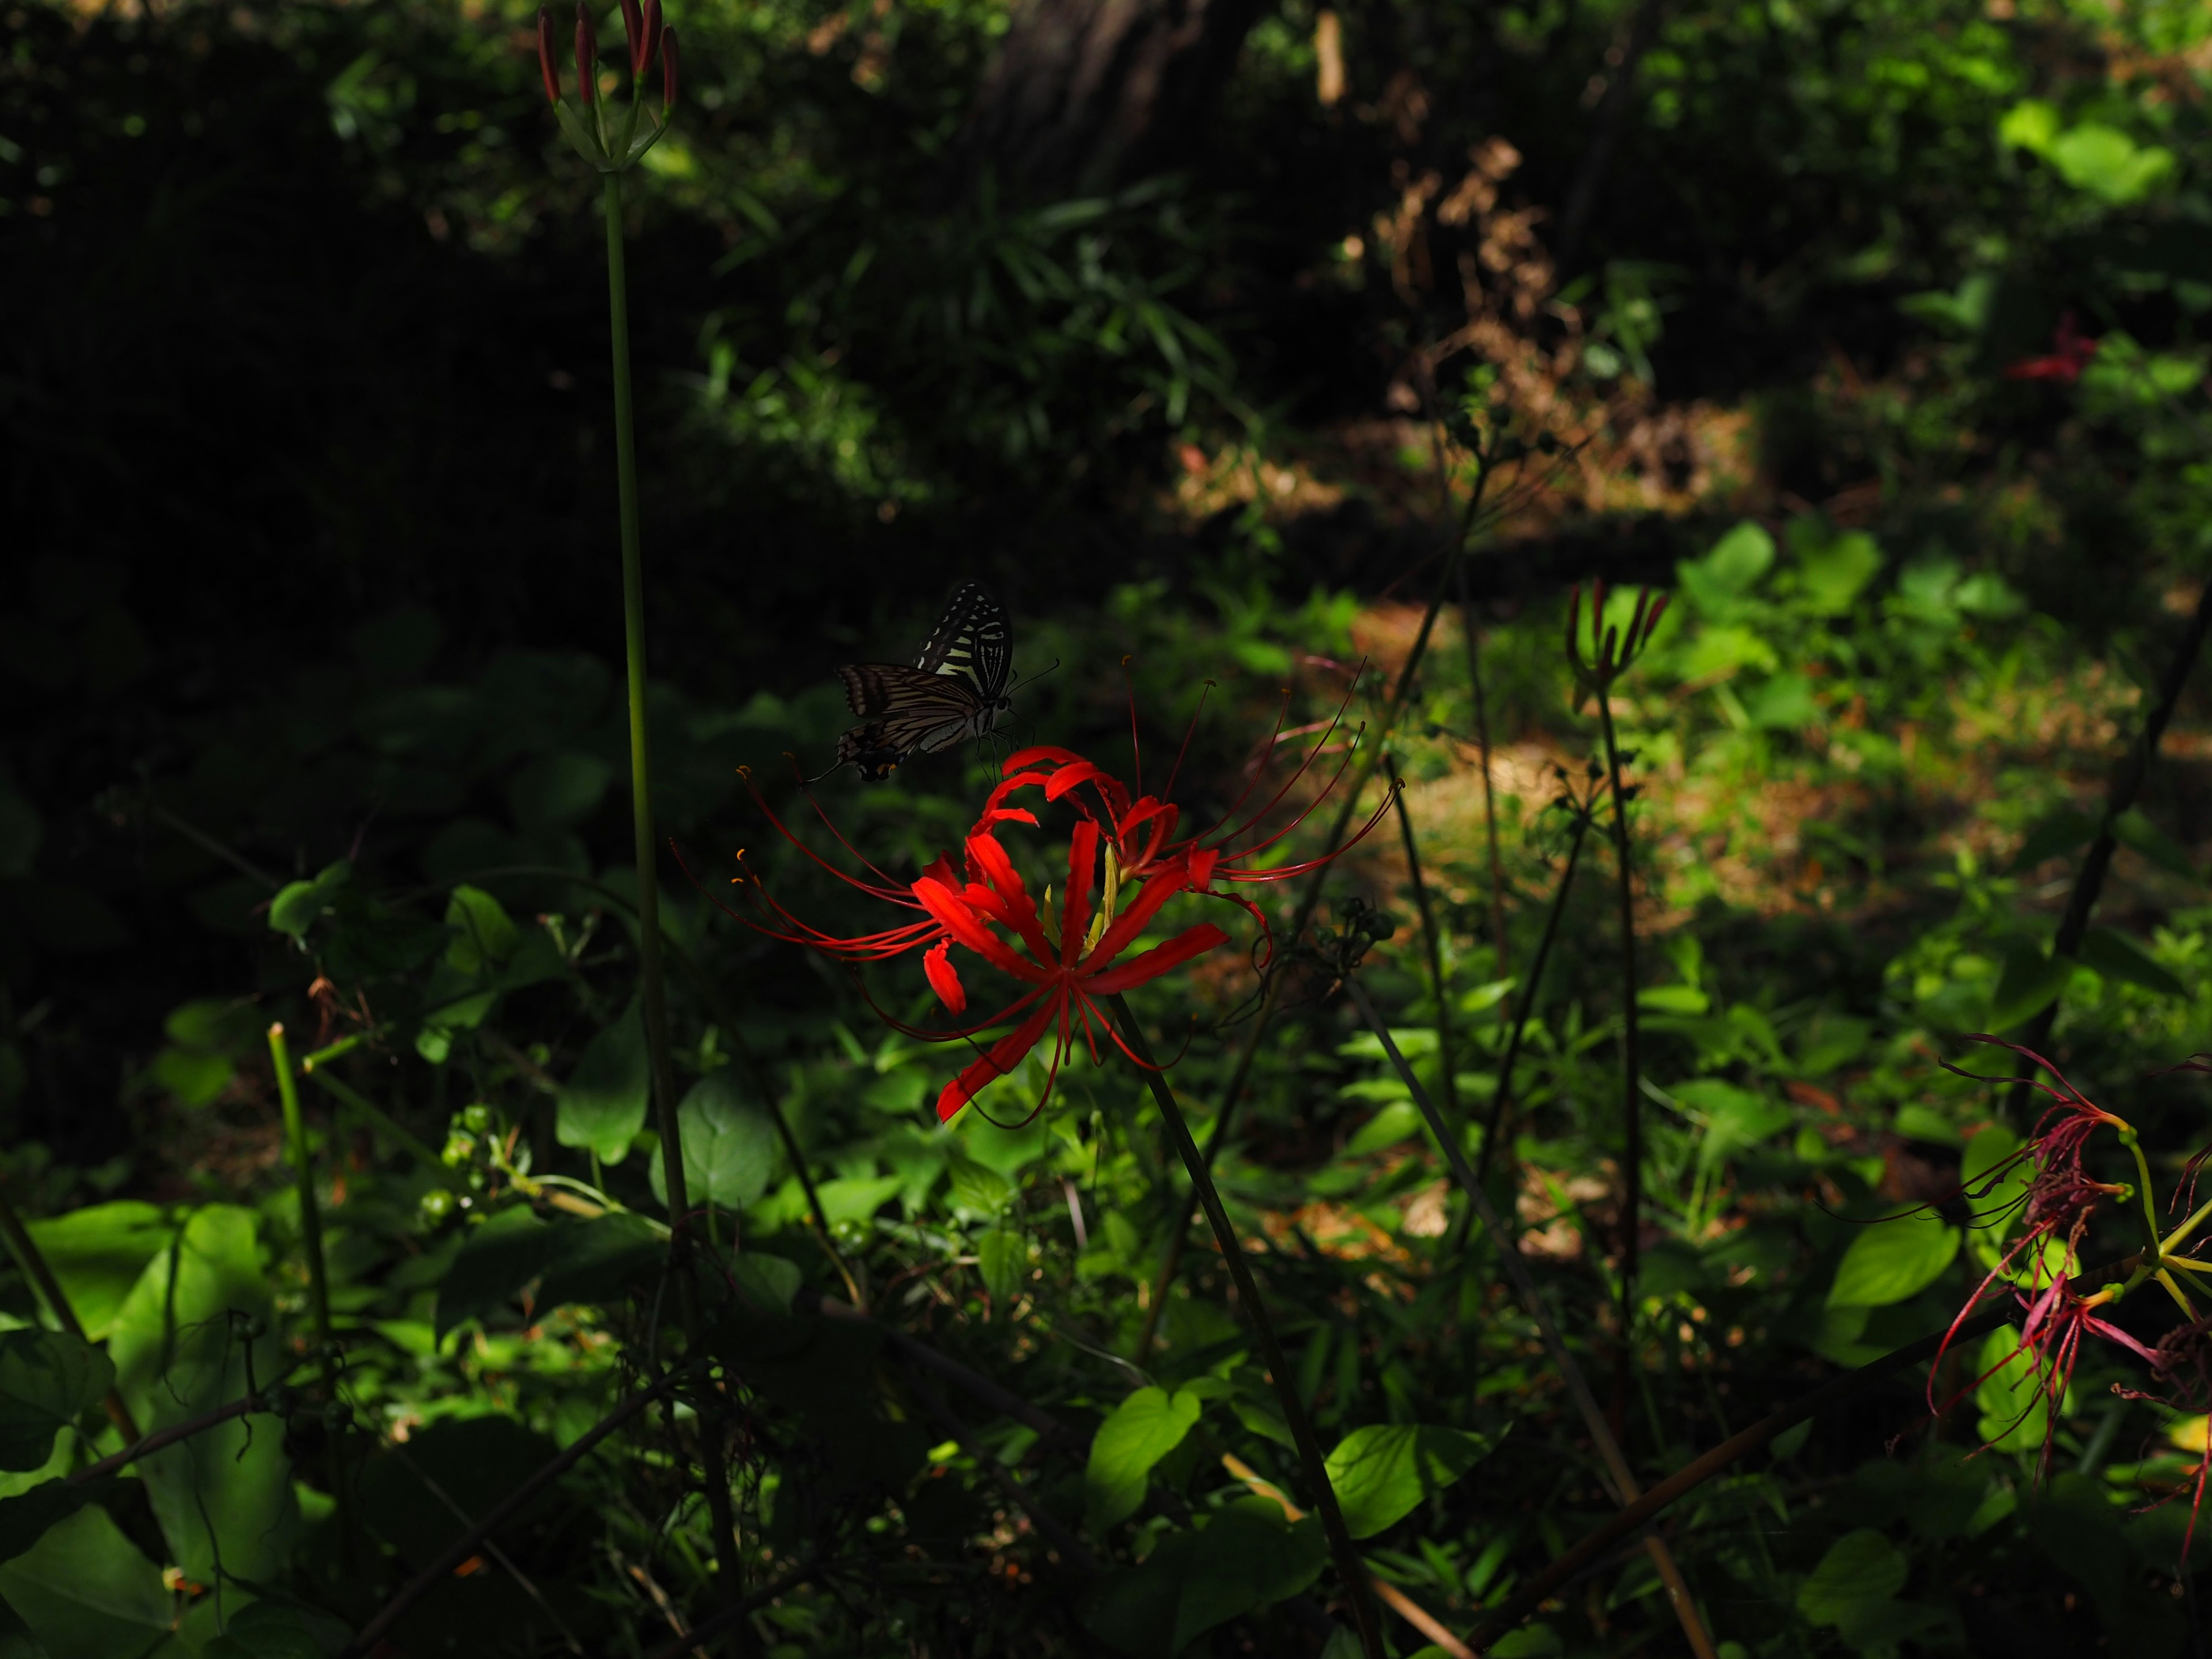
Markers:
1032,679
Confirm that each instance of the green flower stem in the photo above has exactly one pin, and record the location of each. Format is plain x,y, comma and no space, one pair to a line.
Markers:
1308,902
36,1269
377,1119
2173,1240
1632,1101
651,989
2130,1139
1432,940
318,1284
1601,1432
1349,1566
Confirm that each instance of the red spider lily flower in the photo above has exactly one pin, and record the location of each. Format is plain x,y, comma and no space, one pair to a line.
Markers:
2181,1364
1139,829
2071,354
2061,1198
1066,960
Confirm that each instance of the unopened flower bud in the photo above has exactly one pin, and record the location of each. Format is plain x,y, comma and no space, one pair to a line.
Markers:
546,56
667,65
633,35
655,26
587,56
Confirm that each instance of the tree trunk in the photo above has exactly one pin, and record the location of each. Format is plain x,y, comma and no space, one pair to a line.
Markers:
1089,94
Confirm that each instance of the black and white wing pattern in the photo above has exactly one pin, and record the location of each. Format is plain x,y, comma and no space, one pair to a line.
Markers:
956,690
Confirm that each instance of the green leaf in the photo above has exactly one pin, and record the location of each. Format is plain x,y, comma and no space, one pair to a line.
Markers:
179,1349
1397,1122
729,1146
299,905
97,1254
569,1261
2030,983
1860,1569
2016,1410
2106,162
1382,1472
1735,1119
87,1593
1833,575
47,1380
1249,1555
1891,1260
1684,999
28,1516
602,1106
1142,1430
978,1188
1003,1258
483,936
16,1641
2065,831
1734,567
768,1282
2117,956
2131,829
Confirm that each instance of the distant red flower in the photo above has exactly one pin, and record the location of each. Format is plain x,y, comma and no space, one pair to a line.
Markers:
2071,354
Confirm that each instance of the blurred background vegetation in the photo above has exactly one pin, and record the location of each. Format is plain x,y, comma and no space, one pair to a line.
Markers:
1156,319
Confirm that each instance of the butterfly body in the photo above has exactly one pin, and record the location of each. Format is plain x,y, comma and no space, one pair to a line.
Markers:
954,692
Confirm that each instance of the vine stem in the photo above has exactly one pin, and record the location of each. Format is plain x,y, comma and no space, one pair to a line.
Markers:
41,1273
1593,1416
652,990
1349,1566
319,1283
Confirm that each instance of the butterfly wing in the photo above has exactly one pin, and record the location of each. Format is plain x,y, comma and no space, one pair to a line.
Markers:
971,642
905,711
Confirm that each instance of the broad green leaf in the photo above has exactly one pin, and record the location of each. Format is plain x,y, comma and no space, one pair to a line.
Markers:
2065,831
602,1106
2117,956
768,1282
87,1593
1734,567
2016,1411
29,1516
1142,1430
483,935
1397,1122
1382,1472
179,1349
2106,162
16,1641
1003,1258
1915,1122
1249,1555
97,1254
568,1261
1892,1260
47,1380
978,1188
1833,575
1860,1567
2131,829
2031,982
2030,125
729,1146
1720,651
297,907
1685,1000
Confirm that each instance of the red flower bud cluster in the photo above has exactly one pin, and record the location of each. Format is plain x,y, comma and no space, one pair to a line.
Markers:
650,40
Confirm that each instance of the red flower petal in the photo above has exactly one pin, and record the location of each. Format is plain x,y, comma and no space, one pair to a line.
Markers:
1006,1052
944,978
1139,971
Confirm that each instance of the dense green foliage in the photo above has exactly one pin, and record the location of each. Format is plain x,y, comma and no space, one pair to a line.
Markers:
311,665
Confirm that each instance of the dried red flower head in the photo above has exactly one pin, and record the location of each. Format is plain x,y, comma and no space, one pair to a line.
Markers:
1611,650
2071,352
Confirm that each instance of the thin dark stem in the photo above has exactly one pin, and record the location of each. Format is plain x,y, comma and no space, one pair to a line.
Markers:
1432,941
1631,1095
913,1348
2127,783
378,1120
1349,1564
652,992
35,1267
1525,1003
729,1618
1499,941
1308,902
499,1514
147,1445
318,1284
1055,1531
1593,1419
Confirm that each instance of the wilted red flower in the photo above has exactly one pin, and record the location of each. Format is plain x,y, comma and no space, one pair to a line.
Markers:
2061,1198
2070,353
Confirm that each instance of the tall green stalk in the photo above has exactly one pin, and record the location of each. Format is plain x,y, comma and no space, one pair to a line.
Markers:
1349,1564
318,1284
1631,1093
651,991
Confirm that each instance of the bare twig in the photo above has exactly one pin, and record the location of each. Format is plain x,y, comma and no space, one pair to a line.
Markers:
731,1617
147,1445
35,1267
